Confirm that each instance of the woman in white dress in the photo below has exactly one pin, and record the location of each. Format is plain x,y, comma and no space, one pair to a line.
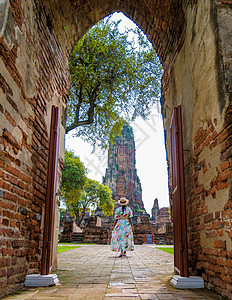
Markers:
122,234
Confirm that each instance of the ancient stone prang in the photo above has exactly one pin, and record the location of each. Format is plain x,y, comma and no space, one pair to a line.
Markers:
121,173
154,209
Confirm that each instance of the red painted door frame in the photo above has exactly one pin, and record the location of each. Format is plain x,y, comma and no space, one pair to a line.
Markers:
50,201
178,195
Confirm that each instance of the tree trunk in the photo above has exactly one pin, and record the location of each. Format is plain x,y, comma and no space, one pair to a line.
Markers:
76,212
81,217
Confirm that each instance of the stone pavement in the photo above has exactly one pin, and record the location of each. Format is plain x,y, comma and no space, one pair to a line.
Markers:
94,272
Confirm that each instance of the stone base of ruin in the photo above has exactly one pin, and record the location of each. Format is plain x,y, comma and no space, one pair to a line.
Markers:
35,280
191,282
95,233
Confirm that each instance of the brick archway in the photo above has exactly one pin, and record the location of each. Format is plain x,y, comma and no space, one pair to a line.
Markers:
193,41
163,22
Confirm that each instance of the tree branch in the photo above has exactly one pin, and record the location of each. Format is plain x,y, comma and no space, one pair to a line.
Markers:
92,99
80,100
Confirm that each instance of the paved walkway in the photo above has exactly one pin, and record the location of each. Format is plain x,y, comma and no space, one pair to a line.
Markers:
94,273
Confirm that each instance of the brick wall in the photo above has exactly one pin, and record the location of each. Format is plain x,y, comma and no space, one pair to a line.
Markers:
34,75
209,207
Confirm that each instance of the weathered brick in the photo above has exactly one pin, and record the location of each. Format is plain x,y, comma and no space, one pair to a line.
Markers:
5,87
222,185
230,233
14,190
5,222
10,197
25,144
213,144
13,170
199,189
10,119
6,185
11,139
13,104
18,243
210,251
205,209
10,178
226,164
225,175
212,233
219,244
23,185
9,205
227,144
226,155
225,134
228,263
26,178
3,272
208,217
13,223
11,158
2,164
205,168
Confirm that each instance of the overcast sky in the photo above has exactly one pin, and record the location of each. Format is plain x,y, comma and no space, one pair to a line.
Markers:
150,153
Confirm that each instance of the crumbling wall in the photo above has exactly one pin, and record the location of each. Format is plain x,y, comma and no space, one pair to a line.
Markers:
95,233
34,76
198,81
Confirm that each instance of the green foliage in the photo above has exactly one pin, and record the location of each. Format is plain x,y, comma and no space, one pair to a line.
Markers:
80,193
97,194
113,77
73,177
62,211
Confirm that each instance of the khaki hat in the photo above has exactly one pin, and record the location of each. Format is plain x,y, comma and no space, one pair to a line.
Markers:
123,201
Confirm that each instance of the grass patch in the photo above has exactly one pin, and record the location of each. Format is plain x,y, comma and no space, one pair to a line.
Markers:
161,245
59,243
66,248
169,250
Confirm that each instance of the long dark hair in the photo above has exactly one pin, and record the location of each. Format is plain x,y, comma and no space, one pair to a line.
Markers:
123,208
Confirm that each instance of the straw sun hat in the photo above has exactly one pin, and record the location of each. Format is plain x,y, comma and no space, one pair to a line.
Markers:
123,201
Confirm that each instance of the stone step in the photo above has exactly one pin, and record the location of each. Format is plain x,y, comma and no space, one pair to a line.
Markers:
78,234
77,237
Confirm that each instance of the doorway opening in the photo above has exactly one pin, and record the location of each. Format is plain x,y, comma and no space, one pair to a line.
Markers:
150,164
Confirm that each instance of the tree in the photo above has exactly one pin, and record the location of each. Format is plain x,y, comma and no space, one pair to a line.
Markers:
73,177
62,211
81,193
113,78
95,195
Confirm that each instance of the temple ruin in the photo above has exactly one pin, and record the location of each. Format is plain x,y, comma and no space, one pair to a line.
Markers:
121,173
